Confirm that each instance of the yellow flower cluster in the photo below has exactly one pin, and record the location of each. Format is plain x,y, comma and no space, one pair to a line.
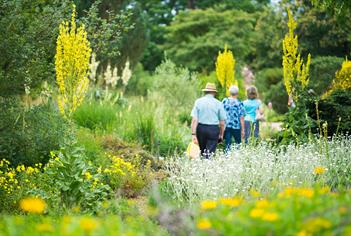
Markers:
72,65
121,167
262,211
294,70
9,181
295,191
204,224
88,224
33,205
229,202
225,69
342,79
319,170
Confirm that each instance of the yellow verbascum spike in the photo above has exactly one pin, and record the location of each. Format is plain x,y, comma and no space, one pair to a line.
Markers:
72,65
225,68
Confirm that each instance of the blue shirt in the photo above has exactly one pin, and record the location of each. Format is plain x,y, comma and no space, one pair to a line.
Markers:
251,106
235,110
208,110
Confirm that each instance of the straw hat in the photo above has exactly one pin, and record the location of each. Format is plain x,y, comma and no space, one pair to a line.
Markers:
210,87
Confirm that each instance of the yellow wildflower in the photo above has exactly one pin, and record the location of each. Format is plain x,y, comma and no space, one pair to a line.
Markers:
270,216
33,205
45,227
208,204
342,210
306,192
204,224
256,212
231,202
303,233
263,203
88,176
316,224
254,193
88,224
319,170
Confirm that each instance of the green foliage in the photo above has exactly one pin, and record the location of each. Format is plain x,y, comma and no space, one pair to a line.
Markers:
28,135
195,37
95,115
335,110
294,211
78,225
269,34
140,83
322,73
71,180
271,86
323,34
28,31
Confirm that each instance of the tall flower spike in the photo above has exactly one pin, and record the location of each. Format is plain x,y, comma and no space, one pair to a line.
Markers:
72,65
225,69
295,72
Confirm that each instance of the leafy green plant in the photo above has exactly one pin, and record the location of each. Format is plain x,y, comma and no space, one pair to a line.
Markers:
70,180
27,135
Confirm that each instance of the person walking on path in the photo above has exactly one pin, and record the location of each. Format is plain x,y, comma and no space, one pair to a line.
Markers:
208,121
234,125
252,109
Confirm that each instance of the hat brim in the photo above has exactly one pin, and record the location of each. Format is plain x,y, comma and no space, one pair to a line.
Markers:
209,90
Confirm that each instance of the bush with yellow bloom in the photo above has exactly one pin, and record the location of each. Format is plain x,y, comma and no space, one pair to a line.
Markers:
342,79
72,65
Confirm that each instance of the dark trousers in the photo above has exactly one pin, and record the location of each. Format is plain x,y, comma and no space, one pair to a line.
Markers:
207,136
249,127
230,133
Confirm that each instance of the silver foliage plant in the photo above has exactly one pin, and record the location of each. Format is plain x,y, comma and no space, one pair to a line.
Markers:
261,168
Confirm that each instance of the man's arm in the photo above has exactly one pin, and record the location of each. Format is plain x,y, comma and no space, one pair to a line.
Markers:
193,130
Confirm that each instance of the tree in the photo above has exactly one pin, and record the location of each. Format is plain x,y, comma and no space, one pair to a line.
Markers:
194,37
28,31
334,6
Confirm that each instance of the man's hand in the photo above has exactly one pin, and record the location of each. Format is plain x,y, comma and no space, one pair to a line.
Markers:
242,133
195,139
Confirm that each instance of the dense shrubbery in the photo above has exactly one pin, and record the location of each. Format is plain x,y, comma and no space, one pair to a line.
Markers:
335,110
322,73
27,135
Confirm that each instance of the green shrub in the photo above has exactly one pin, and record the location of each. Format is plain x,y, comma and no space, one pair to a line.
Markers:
27,135
70,180
95,115
270,85
278,97
322,73
335,110
140,83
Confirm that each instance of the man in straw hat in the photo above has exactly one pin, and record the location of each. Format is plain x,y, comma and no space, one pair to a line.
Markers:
208,121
